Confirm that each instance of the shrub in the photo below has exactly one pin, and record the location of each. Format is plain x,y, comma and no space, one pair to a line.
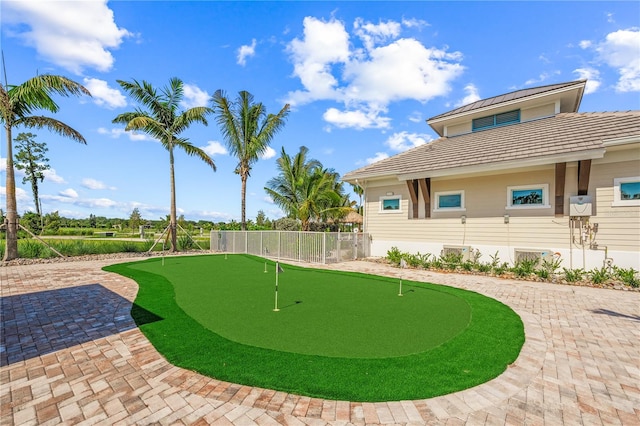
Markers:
573,275
628,276
185,242
599,276
524,268
394,255
451,261
552,265
542,273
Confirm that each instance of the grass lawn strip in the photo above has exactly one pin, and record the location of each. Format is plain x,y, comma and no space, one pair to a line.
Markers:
491,340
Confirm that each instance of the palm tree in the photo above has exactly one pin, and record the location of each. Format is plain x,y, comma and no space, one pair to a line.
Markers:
163,121
17,104
306,191
359,191
248,131
284,189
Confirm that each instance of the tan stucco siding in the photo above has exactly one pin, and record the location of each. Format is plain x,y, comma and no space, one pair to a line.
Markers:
537,112
529,228
458,129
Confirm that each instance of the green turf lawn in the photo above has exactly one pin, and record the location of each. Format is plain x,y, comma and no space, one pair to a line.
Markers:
337,335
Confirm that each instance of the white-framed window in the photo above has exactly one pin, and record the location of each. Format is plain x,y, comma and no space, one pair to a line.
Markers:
626,191
449,201
391,204
528,197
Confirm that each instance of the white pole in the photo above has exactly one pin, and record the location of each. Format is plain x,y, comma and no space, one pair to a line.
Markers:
276,304
403,264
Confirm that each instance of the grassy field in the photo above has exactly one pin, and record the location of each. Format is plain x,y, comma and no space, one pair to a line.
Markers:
337,335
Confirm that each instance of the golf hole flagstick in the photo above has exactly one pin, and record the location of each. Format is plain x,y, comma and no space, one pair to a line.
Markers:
403,265
278,271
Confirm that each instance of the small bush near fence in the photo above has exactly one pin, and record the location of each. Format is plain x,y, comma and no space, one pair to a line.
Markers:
548,270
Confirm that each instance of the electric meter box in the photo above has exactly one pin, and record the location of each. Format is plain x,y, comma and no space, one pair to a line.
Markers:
580,205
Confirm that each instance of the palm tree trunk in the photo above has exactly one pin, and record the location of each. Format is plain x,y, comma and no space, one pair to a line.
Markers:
244,201
172,220
11,221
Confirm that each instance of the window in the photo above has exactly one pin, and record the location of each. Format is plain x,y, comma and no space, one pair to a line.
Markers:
496,120
528,197
626,191
449,201
390,204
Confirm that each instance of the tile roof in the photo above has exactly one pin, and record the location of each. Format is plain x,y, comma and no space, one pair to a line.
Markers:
564,134
518,94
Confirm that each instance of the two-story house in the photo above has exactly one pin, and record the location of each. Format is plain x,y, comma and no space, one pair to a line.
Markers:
522,175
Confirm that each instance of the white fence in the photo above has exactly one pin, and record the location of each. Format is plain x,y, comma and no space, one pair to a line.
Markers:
311,247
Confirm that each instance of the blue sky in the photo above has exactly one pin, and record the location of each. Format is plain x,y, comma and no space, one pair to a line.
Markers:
361,77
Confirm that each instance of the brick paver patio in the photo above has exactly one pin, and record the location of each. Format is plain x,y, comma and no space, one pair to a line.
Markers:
71,354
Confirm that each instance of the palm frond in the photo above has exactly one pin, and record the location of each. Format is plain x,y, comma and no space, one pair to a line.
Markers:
56,126
194,151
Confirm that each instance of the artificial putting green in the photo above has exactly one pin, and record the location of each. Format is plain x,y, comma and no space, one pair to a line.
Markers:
336,335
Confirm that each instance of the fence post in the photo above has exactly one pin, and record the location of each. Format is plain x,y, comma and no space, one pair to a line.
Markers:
324,248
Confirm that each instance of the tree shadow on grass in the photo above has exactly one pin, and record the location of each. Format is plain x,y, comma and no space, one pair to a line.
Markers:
39,323
141,316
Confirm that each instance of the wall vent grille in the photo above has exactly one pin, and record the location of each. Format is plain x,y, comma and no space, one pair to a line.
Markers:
522,255
465,251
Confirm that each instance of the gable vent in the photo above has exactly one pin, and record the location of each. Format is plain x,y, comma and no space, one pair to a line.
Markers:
496,120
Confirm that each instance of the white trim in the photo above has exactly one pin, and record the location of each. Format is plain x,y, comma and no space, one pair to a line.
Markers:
617,194
437,195
621,141
390,197
545,197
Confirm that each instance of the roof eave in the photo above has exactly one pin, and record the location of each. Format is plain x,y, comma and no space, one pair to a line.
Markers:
579,85
507,165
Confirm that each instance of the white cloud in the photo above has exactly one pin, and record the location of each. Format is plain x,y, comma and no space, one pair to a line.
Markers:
52,176
214,148
21,194
246,51
585,44
268,153
194,97
403,141
323,44
472,95
90,183
74,35
416,117
592,76
541,78
379,156
356,119
102,94
414,23
117,132
372,34
387,69
69,192
621,50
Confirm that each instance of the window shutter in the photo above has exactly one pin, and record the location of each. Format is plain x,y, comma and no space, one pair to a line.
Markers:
484,122
508,117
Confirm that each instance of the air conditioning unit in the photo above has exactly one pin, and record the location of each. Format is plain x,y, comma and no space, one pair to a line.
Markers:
521,255
580,206
465,251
